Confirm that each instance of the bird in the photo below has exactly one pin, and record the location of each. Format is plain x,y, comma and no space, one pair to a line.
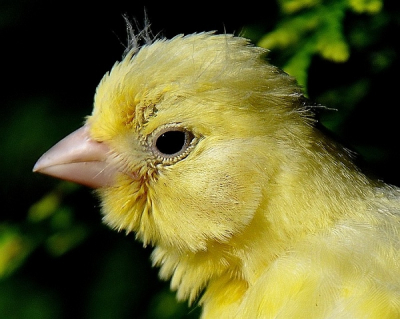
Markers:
214,157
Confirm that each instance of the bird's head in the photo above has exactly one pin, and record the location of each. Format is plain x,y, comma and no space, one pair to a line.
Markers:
185,137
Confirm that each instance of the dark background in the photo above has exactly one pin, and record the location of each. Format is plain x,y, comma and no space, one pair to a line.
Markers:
57,260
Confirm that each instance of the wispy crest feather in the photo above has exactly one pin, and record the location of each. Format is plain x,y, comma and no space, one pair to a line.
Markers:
135,38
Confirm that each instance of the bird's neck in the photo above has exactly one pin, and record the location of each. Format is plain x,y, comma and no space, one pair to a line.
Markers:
223,271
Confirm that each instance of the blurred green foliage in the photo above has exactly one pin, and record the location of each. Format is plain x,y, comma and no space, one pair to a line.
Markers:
57,260
312,27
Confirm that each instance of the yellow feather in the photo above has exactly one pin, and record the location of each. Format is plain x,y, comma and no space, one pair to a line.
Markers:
260,214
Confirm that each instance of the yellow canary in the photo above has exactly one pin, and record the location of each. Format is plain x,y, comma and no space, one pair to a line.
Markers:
210,154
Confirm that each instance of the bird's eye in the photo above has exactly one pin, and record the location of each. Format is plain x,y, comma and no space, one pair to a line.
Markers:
172,142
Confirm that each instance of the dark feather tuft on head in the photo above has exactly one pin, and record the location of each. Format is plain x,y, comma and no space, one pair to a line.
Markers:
136,38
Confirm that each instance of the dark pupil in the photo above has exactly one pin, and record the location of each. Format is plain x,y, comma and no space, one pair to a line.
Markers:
171,142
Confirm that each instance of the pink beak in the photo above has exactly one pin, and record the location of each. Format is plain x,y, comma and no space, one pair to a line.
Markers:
80,159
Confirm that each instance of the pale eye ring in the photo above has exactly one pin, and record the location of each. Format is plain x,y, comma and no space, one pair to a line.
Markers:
172,142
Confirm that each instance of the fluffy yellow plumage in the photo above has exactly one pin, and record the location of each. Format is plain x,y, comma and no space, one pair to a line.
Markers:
209,153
